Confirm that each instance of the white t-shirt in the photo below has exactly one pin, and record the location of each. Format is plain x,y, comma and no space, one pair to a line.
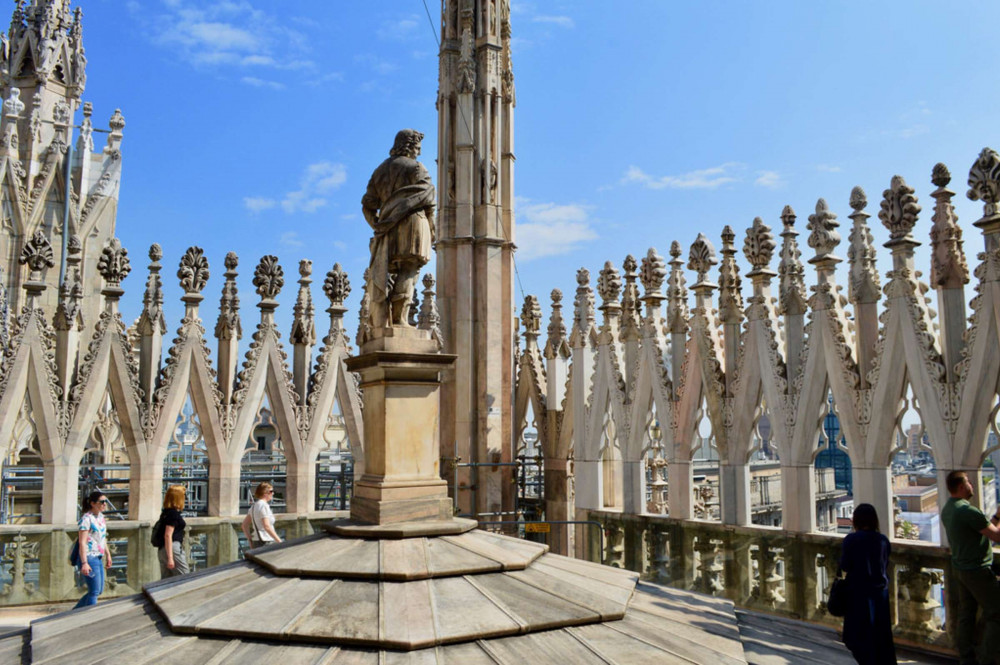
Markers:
259,512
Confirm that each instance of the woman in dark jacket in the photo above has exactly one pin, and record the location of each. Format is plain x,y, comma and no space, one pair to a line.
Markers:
867,624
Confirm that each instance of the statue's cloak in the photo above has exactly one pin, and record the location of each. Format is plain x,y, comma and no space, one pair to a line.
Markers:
399,189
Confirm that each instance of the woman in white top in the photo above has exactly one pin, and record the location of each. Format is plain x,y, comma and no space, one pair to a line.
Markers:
258,525
93,543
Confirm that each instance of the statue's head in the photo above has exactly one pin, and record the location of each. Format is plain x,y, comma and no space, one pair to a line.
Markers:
407,143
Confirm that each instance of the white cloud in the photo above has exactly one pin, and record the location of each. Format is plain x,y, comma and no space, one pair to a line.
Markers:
561,21
262,83
550,229
256,204
403,28
769,179
377,64
701,179
291,239
318,180
224,33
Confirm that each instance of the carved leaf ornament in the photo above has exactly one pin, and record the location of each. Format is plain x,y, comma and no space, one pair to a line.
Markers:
193,271
759,245
337,286
269,277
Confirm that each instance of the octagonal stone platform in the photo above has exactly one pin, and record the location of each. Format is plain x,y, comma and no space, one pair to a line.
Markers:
468,598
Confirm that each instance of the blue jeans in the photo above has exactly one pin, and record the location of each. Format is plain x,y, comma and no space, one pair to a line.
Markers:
95,581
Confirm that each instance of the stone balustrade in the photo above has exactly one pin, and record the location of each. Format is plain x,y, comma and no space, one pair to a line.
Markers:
772,570
35,564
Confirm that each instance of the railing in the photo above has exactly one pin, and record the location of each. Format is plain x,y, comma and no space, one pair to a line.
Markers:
772,570
34,564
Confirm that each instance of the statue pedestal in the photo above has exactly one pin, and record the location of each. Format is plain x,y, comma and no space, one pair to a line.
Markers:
401,389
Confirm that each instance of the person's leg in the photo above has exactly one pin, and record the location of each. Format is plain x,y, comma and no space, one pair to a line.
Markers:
965,626
983,586
161,556
94,582
180,560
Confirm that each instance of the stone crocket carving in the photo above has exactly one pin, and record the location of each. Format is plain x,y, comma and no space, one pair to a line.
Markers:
399,206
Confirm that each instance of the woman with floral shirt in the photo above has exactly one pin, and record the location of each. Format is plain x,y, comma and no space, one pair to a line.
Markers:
94,555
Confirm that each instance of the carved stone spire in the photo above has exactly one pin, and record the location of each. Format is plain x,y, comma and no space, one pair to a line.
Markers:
268,279
652,273
116,123
193,273
730,284
531,320
303,318
429,318
71,290
863,282
791,272
583,310
114,265
152,299
984,185
948,265
228,325
759,247
701,259
37,255
556,346
677,295
899,212
823,237
630,300
337,287
609,288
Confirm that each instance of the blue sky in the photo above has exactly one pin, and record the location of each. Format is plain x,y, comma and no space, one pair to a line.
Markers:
253,125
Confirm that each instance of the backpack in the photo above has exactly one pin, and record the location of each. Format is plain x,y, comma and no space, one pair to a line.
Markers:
74,554
156,537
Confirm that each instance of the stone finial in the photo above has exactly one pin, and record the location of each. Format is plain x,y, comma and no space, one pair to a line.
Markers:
609,285
152,298
531,318
556,343
940,175
429,318
791,272
652,272
117,121
71,290
899,212
37,255
228,325
13,106
949,268
677,295
193,270
117,124
759,247
630,299
337,286
863,282
984,182
114,265
730,284
823,237
303,319
268,277
583,309
701,258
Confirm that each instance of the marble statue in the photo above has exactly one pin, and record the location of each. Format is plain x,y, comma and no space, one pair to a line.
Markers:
399,206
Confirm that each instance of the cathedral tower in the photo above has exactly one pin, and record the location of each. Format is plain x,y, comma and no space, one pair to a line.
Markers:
475,245
42,77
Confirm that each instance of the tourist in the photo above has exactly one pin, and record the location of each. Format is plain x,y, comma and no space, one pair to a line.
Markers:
867,624
260,518
969,534
93,543
173,561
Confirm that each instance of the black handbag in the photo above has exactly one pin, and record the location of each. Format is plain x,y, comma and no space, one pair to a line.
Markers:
836,604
